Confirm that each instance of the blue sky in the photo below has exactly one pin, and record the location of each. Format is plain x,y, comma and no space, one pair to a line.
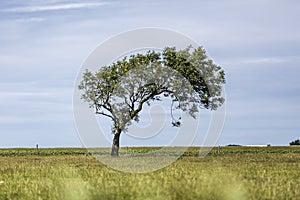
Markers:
44,43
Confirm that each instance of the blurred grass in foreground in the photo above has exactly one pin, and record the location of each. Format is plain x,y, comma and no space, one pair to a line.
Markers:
227,173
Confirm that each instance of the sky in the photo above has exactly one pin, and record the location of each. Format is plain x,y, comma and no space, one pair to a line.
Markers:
44,43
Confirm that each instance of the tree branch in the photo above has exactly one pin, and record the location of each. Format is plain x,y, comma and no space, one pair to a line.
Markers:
105,114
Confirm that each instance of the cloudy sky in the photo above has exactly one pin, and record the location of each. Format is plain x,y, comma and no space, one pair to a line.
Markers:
44,43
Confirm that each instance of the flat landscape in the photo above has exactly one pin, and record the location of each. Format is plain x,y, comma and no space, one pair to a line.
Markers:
225,173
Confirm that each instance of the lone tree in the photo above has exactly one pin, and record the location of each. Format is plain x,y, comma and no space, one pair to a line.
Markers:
120,91
296,142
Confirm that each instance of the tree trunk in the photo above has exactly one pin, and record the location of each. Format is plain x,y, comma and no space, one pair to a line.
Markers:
116,143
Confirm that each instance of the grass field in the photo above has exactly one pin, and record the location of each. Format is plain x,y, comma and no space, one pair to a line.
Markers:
227,173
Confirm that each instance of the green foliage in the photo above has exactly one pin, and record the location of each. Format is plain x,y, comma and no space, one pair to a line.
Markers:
187,76
296,142
237,173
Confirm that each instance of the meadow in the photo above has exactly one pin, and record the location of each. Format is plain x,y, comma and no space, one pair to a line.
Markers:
225,173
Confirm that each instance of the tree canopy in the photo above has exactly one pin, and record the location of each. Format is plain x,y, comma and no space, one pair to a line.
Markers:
295,142
119,91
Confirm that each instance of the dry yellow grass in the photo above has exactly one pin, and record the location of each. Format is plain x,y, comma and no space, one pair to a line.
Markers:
249,175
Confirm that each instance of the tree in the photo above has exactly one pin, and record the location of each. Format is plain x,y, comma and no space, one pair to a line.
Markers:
296,142
120,91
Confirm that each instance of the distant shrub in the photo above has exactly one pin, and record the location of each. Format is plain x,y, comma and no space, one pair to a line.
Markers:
296,142
234,145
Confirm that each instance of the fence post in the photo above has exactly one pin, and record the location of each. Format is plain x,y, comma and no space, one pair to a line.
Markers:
37,150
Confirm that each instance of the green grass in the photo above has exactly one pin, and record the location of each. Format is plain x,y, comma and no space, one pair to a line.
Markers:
42,151
230,173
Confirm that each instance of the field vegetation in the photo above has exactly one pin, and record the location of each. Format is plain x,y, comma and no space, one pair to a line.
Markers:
225,173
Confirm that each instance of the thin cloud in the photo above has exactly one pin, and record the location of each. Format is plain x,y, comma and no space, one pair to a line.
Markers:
55,7
265,61
30,20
